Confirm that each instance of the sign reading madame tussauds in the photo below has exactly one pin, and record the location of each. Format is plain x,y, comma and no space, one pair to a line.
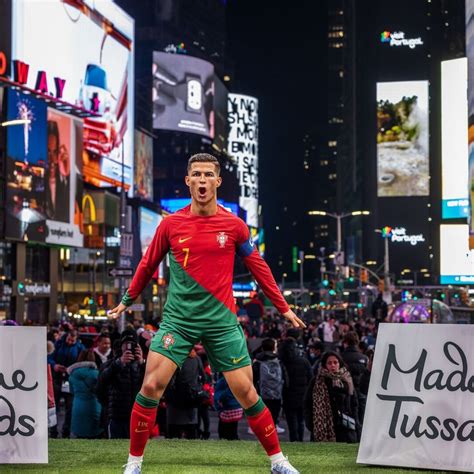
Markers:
420,407
23,395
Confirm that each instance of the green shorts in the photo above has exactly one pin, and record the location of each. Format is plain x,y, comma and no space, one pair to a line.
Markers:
225,348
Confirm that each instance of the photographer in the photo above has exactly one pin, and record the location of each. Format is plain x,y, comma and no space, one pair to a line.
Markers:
121,379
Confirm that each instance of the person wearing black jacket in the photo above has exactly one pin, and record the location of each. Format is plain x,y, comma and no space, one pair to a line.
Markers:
357,364
269,382
121,378
299,374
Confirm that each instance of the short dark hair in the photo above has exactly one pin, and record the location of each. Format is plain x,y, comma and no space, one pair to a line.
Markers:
268,344
204,158
351,338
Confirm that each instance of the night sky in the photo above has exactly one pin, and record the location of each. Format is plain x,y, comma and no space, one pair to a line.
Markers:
280,57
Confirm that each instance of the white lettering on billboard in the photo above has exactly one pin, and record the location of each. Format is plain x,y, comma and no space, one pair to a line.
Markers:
243,145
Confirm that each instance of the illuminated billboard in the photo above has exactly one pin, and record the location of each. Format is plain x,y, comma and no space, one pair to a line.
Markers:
243,146
456,260
149,222
88,51
402,139
44,185
454,147
183,94
470,96
173,205
143,181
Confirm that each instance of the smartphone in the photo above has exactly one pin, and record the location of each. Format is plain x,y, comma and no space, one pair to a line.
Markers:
131,346
194,94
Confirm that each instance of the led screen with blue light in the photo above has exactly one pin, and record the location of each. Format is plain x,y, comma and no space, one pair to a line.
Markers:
173,205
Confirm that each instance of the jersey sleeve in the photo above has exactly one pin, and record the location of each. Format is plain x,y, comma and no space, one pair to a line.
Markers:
149,263
259,269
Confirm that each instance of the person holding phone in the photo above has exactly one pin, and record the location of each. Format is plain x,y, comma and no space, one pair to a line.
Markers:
201,241
121,378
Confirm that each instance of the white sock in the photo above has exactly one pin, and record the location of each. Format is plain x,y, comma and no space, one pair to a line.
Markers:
134,458
274,458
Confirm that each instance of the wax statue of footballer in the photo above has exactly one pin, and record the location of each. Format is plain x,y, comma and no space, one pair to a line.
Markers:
201,241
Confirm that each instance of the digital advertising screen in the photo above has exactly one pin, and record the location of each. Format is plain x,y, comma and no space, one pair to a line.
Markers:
149,222
88,45
454,138
402,139
173,205
143,181
243,145
44,182
456,259
183,94
470,96
409,233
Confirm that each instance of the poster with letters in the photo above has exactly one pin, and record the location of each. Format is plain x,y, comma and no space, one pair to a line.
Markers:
420,406
23,395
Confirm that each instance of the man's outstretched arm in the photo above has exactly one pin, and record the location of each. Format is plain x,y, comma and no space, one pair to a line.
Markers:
264,277
147,266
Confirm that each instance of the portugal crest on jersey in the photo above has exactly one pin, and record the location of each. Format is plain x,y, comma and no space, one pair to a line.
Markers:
222,239
168,340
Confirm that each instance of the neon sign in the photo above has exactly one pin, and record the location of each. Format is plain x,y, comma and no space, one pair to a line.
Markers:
397,38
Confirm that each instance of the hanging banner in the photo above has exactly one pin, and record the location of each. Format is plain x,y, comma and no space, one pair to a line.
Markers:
420,407
23,395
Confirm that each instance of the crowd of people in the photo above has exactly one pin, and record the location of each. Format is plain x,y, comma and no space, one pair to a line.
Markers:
315,378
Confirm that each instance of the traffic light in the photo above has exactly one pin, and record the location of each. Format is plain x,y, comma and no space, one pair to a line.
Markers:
21,288
326,282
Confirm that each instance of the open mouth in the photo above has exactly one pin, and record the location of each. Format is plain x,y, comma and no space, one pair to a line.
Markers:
202,191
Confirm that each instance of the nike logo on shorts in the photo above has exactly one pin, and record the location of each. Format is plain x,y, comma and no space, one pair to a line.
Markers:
181,239
141,431
236,361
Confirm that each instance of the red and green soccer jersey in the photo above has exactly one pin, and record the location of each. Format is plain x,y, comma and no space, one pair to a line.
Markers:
201,253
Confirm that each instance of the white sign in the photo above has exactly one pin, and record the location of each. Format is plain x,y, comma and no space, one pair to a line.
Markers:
243,145
23,395
399,234
420,407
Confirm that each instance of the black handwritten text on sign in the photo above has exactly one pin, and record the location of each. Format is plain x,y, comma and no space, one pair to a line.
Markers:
8,416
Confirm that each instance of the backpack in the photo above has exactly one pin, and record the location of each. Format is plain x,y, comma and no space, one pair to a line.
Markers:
271,379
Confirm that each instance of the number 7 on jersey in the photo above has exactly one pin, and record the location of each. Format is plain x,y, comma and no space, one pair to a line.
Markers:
186,256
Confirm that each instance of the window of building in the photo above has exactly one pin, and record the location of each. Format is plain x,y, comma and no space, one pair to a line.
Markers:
37,263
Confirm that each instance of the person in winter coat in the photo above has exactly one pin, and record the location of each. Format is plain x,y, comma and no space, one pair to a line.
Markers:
121,378
299,374
357,364
66,352
269,378
334,402
103,350
229,410
184,394
86,409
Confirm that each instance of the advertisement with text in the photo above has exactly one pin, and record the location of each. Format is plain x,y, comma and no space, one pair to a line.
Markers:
89,53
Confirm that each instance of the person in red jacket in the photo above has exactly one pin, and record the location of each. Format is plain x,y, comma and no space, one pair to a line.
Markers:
201,241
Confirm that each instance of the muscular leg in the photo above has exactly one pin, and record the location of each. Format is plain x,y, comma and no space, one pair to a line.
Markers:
158,373
258,415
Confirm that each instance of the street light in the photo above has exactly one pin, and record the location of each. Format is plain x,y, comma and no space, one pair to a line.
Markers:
339,218
386,234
